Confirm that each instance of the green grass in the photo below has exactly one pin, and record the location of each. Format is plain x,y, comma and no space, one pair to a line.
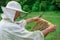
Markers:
53,17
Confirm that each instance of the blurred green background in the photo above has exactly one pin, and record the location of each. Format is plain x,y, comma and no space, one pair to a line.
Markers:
35,5
49,8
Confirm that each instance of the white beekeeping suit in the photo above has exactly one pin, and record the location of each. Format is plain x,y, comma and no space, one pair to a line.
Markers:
10,30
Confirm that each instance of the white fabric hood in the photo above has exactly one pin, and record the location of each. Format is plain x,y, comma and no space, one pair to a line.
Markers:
10,10
8,14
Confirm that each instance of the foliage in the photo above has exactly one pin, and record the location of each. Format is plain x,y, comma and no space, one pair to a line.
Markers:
51,8
43,6
35,5
26,8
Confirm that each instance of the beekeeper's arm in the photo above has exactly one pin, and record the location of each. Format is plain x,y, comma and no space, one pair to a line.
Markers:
45,31
32,19
49,29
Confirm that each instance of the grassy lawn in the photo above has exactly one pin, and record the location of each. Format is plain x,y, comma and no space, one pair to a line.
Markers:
53,17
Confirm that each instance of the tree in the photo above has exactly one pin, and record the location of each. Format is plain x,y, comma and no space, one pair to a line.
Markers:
26,8
35,7
51,8
2,3
43,6
57,4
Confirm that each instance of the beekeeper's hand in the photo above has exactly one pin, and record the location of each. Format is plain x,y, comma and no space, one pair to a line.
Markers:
36,18
52,28
48,30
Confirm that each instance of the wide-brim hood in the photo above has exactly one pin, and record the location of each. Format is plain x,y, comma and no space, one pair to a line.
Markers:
15,9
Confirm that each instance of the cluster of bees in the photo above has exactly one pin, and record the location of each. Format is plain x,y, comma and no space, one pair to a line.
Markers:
41,24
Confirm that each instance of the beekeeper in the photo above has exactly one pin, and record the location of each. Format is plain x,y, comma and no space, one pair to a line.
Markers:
11,30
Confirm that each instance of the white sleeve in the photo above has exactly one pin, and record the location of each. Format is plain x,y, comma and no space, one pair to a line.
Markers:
37,35
20,32
15,30
22,23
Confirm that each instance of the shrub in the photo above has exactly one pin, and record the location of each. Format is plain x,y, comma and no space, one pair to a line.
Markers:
35,7
51,8
26,8
43,6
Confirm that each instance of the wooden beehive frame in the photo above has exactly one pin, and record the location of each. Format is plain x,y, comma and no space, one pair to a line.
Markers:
41,24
